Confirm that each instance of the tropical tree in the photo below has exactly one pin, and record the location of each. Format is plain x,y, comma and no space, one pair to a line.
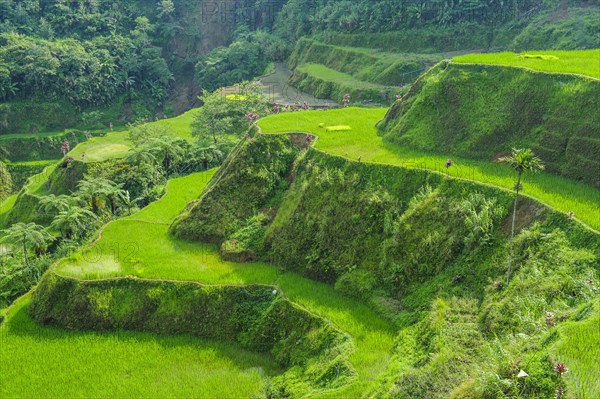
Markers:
73,221
521,160
30,235
53,204
94,189
113,192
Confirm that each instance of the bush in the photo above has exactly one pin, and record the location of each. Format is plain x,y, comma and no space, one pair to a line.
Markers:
357,283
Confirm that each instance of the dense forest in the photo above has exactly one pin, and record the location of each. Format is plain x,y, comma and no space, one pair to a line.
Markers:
90,54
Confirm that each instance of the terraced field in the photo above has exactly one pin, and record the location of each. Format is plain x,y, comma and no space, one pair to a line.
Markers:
582,62
141,246
364,142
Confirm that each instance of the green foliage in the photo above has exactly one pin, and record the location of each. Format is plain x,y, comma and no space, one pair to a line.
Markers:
224,115
245,58
567,30
480,217
554,275
423,40
299,17
256,174
246,243
85,73
17,278
6,182
255,316
27,236
480,111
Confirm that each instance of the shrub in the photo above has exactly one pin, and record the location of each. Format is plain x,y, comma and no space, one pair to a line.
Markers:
357,283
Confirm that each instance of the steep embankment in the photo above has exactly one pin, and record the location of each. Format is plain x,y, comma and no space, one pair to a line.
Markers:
329,71
481,111
256,317
426,250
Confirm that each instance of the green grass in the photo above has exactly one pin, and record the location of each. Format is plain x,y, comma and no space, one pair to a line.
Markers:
579,349
180,126
582,62
324,73
97,149
141,246
363,141
48,362
116,145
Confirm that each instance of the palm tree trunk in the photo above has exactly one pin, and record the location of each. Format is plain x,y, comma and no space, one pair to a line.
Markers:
25,253
512,231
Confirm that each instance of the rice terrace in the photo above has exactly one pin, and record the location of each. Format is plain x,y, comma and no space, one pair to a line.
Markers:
300,199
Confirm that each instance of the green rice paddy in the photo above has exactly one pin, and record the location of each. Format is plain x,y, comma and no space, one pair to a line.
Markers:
582,62
48,362
141,246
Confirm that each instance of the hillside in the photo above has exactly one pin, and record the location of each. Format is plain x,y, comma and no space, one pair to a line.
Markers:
479,111
353,224
329,71
300,199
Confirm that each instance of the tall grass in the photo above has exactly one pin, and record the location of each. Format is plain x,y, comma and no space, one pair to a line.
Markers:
362,141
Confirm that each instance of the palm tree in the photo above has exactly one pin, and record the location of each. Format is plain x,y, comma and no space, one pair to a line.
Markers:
92,189
141,155
72,221
113,192
54,204
521,160
167,150
30,235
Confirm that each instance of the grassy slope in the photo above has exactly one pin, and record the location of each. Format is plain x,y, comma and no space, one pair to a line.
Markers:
363,141
141,246
329,71
322,72
121,364
582,62
117,144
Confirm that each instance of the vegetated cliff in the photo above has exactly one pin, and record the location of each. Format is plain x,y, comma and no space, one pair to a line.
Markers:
423,249
365,64
312,350
478,111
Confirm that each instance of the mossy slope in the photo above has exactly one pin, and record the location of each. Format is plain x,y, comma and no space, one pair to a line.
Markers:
479,111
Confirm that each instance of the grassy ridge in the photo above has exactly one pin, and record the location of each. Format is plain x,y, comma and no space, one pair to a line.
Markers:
363,141
326,83
364,64
582,62
258,317
328,71
121,364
